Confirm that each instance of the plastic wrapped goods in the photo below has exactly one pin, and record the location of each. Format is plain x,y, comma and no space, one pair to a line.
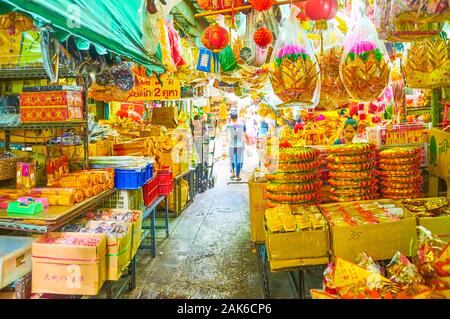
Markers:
364,67
333,92
410,20
427,63
294,71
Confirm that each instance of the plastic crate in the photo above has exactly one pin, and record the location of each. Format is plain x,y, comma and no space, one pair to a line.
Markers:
165,176
149,172
128,179
149,190
165,190
151,196
126,199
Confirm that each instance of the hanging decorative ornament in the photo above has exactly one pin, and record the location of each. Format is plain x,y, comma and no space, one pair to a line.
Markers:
215,38
213,5
263,37
262,5
321,11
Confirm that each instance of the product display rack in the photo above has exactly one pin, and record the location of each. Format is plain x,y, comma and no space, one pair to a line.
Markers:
11,74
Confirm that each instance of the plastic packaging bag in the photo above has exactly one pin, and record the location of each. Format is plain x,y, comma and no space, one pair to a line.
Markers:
427,63
364,67
175,44
408,20
333,92
294,71
227,60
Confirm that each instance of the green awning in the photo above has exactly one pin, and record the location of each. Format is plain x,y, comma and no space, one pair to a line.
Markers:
113,25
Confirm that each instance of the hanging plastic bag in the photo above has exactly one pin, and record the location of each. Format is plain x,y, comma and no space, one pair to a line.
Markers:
427,63
165,47
364,67
409,20
294,71
227,60
175,44
333,93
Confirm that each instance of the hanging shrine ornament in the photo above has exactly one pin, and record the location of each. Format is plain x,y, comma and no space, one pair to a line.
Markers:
321,11
215,38
214,5
261,5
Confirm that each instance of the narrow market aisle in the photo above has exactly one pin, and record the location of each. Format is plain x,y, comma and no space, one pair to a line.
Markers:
209,253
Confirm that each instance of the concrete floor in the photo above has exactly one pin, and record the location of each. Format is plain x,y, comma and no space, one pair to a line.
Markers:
209,253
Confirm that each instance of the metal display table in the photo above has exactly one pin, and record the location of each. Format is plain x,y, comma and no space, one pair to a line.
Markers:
51,218
190,177
297,274
150,213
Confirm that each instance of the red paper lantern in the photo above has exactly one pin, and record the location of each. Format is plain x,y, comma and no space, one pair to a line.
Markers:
263,37
213,5
215,38
321,9
261,5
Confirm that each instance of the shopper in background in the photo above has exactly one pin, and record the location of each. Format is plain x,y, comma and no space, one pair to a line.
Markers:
199,134
264,128
236,139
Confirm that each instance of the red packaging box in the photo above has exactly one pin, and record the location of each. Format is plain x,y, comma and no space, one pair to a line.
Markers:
52,98
59,113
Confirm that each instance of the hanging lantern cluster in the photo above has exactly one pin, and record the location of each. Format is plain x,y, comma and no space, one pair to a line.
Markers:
261,5
215,38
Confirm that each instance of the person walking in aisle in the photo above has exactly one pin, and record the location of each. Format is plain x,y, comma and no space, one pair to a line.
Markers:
236,139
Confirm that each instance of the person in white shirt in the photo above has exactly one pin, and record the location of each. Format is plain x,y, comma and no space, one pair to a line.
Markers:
236,137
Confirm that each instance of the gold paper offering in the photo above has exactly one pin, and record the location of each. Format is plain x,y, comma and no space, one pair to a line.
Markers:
365,76
427,64
294,79
333,92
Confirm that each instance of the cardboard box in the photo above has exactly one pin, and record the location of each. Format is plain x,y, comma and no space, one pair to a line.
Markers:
298,245
15,258
54,113
118,252
439,154
166,116
439,226
257,204
136,229
68,269
101,148
288,264
380,241
52,98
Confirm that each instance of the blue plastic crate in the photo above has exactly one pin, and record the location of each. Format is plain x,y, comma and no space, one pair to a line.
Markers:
129,178
149,171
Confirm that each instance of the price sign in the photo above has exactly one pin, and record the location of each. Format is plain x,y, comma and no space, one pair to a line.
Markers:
152,89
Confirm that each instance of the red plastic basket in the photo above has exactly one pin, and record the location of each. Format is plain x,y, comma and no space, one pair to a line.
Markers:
165,176
165,190
150,191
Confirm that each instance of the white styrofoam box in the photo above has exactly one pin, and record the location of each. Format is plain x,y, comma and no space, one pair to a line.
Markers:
15,258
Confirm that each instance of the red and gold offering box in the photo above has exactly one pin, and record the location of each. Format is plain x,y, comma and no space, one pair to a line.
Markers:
51,106
52,98
50,113
69,263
